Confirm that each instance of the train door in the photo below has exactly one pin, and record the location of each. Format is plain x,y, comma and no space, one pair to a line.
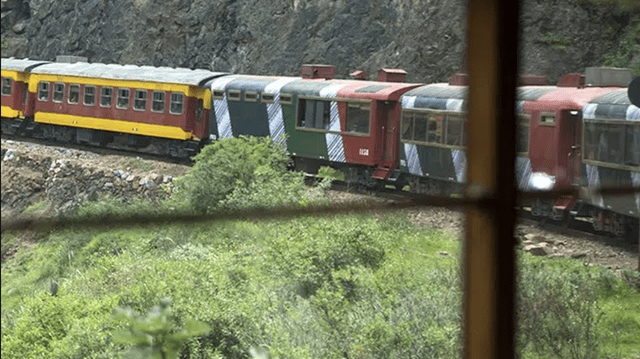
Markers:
386,110
574,119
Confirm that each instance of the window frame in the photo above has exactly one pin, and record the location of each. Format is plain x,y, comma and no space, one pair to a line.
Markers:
413,112
102,95
84,95
313,129
217,94
546,123
127,98
349,103
154,101
40,90
286,99
266,97
523,119
608,164
71,86
252,96
55,92
171,102
10,82
234,95
136,99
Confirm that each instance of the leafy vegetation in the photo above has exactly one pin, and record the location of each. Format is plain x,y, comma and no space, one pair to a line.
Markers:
360,286
626,53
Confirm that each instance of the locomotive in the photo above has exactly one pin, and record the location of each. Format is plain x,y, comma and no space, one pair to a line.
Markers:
583,132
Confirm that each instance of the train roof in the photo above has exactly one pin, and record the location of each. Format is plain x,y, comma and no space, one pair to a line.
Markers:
22,65
612,105
365,90
129,72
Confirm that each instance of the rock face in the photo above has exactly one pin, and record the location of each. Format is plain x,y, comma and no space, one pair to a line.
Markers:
274,37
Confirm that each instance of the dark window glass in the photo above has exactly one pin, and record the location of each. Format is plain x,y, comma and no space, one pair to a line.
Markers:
58,92
407,126
632,146
455,130
123,99
200,111
43,91
177,100
7,84
605,142
314,114
89,95
420,130
140,101
74,93
358,117
106,94
157,103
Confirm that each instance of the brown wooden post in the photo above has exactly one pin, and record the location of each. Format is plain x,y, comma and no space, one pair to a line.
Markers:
489,248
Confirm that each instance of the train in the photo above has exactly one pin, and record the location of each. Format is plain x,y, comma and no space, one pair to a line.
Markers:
581,133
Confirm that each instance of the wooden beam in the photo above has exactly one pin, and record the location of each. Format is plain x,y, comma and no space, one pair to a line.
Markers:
489,248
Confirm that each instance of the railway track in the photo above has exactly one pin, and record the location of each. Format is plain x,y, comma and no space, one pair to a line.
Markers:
578,228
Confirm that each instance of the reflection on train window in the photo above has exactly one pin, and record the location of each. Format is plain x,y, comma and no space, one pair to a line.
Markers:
106,94
89,95
157,102
58,92
123,99
7,83
43,91
612,143
522,135
455,131
407,126
74,94
358,117
140,100
176,103
434,128
314,114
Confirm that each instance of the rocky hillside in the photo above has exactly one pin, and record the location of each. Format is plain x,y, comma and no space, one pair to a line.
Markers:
424,37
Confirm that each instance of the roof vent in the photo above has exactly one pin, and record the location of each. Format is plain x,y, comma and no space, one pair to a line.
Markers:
71,59
607,76
571,80
531,80
359,75
391,75
326,72
460,79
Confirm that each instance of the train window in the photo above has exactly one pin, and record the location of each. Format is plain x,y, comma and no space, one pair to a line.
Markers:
157,102
106,94
547,119
358,117
89,95
632,145
199,111
177,100
140,100
217,94
267,97
74,94
434,128
251,96
7,84
123,99
604,142
407,125
286,99
314,114
234,95
420,130
43,91
58,92
455,130
522,135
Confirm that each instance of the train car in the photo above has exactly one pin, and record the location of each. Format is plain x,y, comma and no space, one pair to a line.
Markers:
350,125
433,135
16,104
611,157
156,109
